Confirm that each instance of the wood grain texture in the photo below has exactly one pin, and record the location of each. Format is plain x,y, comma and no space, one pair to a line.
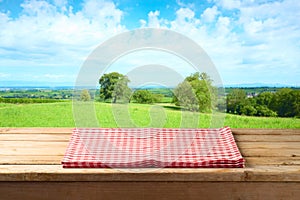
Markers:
35,137
261,161
149,190
57,173
35,130
267,138
56,160
34,154
247,131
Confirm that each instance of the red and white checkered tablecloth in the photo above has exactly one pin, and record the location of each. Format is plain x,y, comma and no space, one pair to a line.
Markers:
152,147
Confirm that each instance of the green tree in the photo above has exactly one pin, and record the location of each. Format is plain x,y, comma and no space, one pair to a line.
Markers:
235,101
195,93
145,96
263,102
248,109
121,91
184,96
157,98
264,98
295,103
283,103
142,96
114,86
263,110
286,103
85,95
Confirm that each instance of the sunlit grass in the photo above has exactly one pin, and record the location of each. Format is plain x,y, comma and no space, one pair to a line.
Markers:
131,115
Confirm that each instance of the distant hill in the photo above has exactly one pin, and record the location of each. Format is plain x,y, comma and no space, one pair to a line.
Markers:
254,85
33,84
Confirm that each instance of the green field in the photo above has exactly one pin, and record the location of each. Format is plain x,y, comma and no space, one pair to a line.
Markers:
61,115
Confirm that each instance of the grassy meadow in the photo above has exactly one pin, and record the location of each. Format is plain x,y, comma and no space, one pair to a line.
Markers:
60,114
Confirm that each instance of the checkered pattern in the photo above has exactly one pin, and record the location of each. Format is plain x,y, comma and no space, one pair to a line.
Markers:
152,147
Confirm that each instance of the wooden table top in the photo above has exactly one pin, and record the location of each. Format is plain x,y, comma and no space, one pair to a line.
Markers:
35,154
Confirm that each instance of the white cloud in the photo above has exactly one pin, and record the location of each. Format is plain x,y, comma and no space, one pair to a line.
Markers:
228,4
274,26
210,14
183,4
143,23
46,34
253,27
184,15
153,20
60,3
239,36
223,26
262,37
104,13
185,22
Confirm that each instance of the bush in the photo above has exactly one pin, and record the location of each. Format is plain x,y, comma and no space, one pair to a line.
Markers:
265,111
283,103
27,100
145,96
248,110
85,95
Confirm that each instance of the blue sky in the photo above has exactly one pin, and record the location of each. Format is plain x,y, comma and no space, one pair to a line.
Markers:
249,41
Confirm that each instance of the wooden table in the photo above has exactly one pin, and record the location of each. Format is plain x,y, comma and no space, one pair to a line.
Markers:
30,169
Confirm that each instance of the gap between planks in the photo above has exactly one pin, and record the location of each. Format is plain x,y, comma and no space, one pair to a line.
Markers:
245,131
66,137
50,159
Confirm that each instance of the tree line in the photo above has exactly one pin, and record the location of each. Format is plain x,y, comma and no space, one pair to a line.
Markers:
38,94
114,87
195,93
282,103
28,100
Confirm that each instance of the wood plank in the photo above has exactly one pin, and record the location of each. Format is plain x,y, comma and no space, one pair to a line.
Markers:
35,130
57,173
59,151
247,131
272,173
56,159
269,145
35,137
34,145
59,143
249,149
38,151
270,152
7,144
255,161
31,160
244,131
35,155
66,137
267,138
149,190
